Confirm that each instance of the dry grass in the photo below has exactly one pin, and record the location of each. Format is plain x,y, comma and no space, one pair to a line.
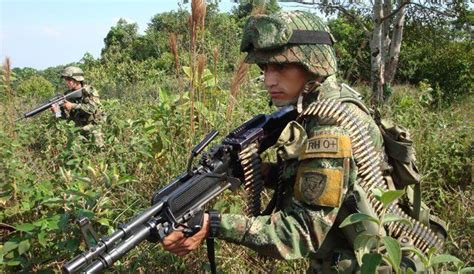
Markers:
237,80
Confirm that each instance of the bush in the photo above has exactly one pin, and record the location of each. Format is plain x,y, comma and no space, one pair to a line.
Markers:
447,68
36,86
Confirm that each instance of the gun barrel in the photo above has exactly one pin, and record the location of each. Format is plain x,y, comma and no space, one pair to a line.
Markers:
37,110
108,243
58,99
108,259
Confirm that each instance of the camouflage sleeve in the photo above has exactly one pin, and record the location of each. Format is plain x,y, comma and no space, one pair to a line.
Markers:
292,233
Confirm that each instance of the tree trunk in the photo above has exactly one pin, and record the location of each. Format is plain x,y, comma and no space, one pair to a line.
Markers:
376,50
387,8
394,54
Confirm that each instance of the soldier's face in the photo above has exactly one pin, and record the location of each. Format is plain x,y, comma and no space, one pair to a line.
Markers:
284,82
72,84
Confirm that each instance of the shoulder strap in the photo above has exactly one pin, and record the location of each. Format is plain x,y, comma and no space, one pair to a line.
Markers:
346,94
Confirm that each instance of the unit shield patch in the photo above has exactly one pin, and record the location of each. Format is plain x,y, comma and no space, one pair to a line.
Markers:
321,186
312,185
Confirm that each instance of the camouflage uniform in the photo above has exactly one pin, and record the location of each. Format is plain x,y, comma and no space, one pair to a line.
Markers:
86,111
319,169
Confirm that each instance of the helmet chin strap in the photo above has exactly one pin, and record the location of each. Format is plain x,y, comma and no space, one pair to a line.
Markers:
309,87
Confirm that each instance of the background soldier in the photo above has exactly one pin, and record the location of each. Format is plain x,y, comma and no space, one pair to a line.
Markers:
320,174
86,111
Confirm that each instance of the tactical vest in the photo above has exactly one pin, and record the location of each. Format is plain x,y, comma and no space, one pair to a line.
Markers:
82,118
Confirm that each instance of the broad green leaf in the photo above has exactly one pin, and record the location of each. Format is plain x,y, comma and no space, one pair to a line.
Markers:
23,246
358,217
42,238
467,270
53,222
13,262
394,251
377,193
163,95
26,227
370,262
9,246
364,240
418,252
104,221
390,217
187,70
444,258
363,243
390,196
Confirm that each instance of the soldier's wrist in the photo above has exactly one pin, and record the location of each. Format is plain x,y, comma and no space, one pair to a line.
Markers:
213,224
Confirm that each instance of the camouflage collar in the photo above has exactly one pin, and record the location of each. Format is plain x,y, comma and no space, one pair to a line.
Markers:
327,89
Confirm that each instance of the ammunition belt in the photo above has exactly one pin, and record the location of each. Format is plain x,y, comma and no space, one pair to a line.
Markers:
368,162
253,183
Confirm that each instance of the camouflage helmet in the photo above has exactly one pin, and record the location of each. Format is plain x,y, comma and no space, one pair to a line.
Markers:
290,37
74,73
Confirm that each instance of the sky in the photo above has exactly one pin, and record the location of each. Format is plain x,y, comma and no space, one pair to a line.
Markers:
46,33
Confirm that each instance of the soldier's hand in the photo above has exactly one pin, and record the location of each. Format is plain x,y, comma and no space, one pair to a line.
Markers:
180,245
54,108
67,105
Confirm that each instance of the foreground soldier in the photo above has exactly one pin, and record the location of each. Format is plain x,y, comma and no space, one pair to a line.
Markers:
86,111
319,170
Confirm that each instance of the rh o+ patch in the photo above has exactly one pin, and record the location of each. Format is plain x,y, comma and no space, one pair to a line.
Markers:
327,146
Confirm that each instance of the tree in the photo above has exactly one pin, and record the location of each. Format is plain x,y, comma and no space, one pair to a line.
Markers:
384,31
120,38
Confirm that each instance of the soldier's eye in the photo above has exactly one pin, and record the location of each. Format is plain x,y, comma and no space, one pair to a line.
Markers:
280,66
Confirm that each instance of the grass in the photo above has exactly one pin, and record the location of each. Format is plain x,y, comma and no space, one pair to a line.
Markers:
49,177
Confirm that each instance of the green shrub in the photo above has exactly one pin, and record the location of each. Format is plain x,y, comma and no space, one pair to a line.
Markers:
36,86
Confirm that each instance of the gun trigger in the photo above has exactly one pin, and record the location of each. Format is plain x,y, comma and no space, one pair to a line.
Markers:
87,230
234,183
190,231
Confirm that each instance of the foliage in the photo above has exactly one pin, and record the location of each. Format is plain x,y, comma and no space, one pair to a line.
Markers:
50,174
373,249
352,49
36,86
444,148
448,68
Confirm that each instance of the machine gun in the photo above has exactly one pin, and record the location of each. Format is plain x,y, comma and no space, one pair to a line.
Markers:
186,196
58,99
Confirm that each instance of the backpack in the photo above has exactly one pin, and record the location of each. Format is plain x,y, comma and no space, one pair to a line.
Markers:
402,171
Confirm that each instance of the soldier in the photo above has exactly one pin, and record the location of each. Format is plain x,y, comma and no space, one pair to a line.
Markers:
320,174
86,111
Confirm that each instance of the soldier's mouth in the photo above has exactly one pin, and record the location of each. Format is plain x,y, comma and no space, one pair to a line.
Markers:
276,94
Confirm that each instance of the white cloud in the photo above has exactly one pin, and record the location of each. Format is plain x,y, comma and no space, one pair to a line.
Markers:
51,32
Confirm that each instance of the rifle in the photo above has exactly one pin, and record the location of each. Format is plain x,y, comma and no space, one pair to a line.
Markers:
179,202
58,99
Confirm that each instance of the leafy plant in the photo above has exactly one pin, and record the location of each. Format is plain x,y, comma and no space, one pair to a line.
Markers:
373,249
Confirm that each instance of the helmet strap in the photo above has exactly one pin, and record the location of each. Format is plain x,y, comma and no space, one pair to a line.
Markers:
309,87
